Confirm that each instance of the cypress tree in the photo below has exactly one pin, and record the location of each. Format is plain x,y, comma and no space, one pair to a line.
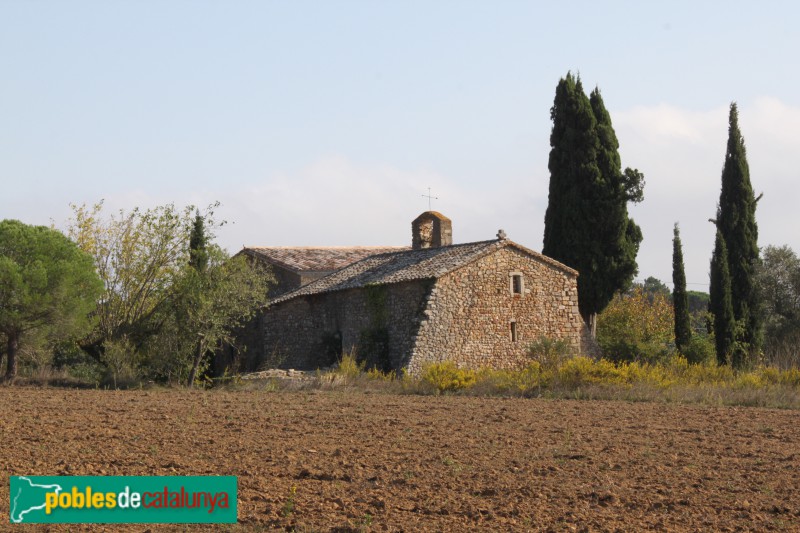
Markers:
196,285
586,223
573,170
736,220
680,298
720,303
198,241
619,235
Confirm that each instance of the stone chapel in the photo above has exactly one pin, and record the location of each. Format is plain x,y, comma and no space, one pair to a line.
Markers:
477,304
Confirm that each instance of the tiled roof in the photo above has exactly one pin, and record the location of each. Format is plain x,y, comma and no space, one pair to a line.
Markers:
410,265
316,259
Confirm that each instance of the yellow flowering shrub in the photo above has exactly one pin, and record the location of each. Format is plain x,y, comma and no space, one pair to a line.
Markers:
446,376
506,381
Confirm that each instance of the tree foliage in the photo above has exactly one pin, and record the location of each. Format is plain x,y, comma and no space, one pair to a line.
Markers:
736,221
720,304
139,255
586,224
778,283
619,234
698,302
171,295
47,286
636,326
198,244
680,299
215,297
206,309
653,286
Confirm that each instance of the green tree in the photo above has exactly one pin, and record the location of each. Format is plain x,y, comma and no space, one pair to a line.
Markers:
198,242
636,326
586,223
680,299
47,285
778,282
222,294
139,255
619,234
171,295
572,164
698,302
653,286
736,221
720,304
208,307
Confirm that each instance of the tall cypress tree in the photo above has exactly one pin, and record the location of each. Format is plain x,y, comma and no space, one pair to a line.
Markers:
680,298
198,241
573,171
736,220
586,223
720,303
196,285
619,235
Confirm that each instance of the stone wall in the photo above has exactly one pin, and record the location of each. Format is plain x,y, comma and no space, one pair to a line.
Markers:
464,316
470,311
285,281
248,354
380,323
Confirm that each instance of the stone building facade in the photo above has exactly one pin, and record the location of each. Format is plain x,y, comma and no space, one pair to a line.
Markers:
477,304
292,267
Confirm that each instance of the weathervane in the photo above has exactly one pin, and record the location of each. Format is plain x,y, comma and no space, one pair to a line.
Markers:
429,197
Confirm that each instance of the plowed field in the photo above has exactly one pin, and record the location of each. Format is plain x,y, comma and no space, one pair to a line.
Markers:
349,461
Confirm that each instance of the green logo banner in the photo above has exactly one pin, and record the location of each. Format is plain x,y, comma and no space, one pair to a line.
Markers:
123,499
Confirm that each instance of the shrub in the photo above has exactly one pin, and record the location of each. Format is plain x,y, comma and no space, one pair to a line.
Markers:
769,375
626,351
700,350
749,380
352,372
638,326
68,357
548,352
119,357
790,377
379,375
673,379
446,376
582,370
349,367
709,373
783,351
523,381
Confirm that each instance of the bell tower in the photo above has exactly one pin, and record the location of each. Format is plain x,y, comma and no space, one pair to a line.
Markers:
431,230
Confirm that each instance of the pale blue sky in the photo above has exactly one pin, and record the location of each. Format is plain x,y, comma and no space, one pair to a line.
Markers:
324,122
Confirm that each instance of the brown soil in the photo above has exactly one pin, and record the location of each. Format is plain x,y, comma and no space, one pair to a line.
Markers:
379,462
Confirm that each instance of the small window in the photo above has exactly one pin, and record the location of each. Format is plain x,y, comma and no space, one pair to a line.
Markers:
514,335
517,287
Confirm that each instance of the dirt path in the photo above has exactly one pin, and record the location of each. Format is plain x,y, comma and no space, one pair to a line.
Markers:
388,463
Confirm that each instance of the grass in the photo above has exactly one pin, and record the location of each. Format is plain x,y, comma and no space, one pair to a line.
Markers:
290,504
672,381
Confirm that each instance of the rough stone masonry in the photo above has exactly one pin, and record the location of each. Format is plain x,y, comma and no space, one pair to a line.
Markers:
477,304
